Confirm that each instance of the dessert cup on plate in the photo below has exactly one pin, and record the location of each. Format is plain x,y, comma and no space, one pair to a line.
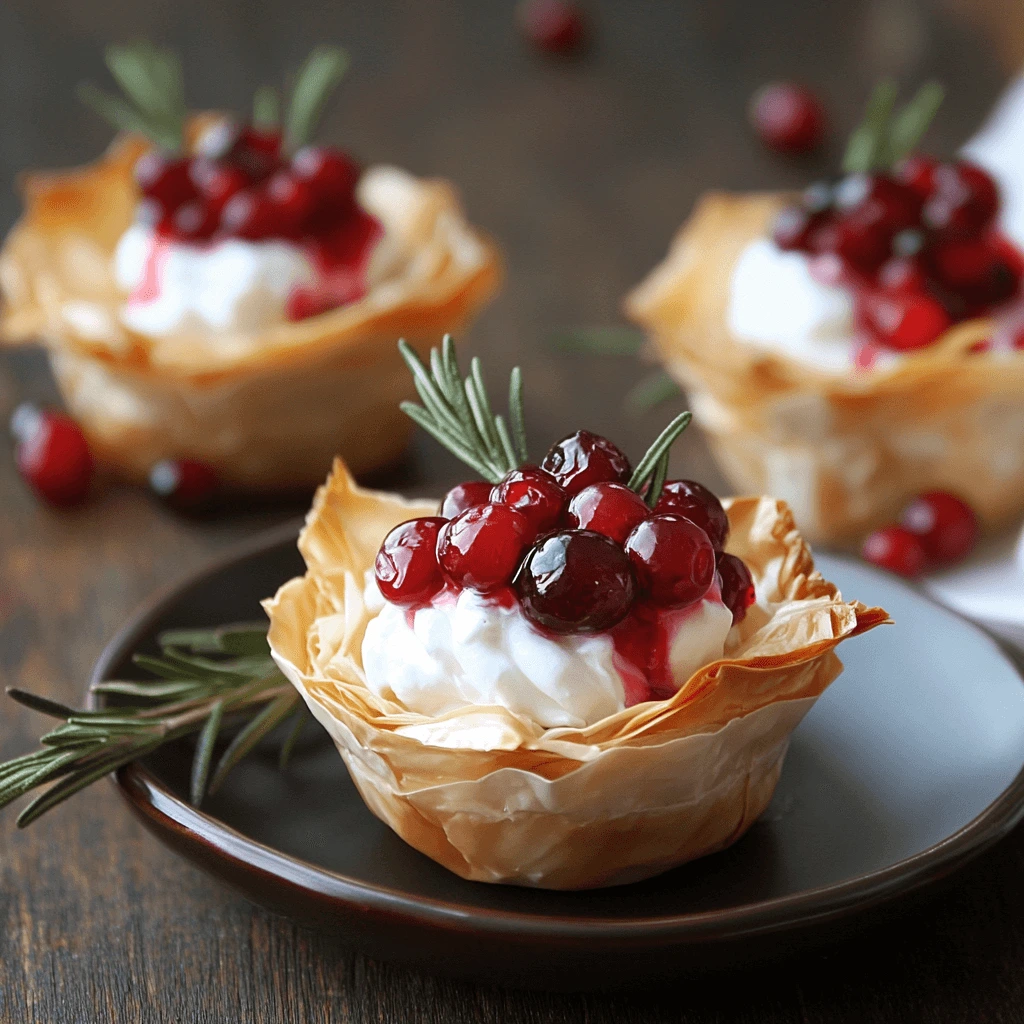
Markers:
254,329
506,772
855,350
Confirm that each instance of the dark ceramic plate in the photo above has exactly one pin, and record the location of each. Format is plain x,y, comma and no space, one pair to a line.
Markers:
909,765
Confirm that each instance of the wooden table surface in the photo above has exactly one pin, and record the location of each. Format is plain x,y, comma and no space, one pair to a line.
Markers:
583,171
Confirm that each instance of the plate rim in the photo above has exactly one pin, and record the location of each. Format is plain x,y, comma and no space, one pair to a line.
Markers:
166,814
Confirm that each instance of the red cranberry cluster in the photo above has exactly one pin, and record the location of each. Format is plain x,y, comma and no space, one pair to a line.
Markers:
936,529
241,185
578,547
917,246
54,458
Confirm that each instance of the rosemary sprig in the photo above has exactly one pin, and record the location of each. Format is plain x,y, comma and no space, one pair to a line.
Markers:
885,137
457,412
206,681
154,94
317,78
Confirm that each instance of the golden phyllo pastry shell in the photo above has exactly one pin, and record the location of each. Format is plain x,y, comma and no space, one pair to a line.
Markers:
496,798
270,409
845,450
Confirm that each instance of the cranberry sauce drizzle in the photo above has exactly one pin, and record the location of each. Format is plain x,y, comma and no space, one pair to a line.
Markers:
240,184
918,248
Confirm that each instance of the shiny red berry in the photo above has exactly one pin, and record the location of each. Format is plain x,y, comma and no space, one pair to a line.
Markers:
737,586
907,322
331,175
553,26
584,458
535,493
164,180
406,566
609,509
303,303
216,182
788,118
918,171
52,454
463,496
576,581
185,484
294,201
896,549
257,152
964,200
250,214
194,221
482,547
793,228
673,559
872,209
902,276
975,269
695,502
945,525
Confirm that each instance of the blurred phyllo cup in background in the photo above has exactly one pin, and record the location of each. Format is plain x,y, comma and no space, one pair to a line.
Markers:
856,346
228,293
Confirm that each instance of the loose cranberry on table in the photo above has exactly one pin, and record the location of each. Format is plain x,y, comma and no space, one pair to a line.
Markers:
584,458
553,26
463,496
185,484
945,525
896,549
481,548
608,508
673,559
536,494
695,502
576,581
52,454
406,567
737,586
788,118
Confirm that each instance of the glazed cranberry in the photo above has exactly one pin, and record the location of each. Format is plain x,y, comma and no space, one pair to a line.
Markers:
257,152
584,458
331,174
793,228
918,171
535,494
788,118
612,510
975,269
164,180
945,524
185,484
695,502
907,322
482,547
896,549
902,276
576,581
195,221
673,559
964,200
52,454
294,200
406,566
737,586
553,26
872,210
216,182
463,496
250,214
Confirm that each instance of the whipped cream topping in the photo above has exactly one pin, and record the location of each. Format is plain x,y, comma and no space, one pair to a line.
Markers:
225,287
473,649
776,304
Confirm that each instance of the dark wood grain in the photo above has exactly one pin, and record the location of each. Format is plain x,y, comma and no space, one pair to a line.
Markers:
583,171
